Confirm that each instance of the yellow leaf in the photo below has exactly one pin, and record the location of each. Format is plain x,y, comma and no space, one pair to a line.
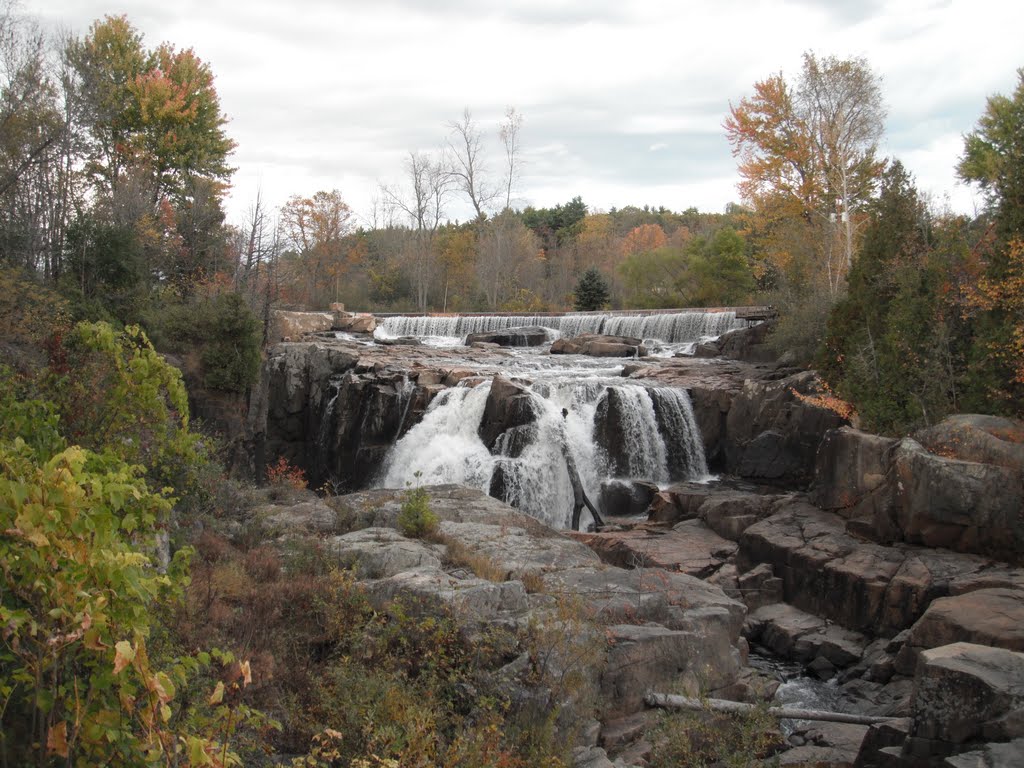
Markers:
218,694
124,654
246,673
57,739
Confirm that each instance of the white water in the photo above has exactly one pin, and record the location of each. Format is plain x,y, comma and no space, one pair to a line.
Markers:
445,447
658,329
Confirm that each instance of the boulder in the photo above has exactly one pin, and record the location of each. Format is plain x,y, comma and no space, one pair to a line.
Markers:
508,410
965,692
950,503
474,599
626,498
644,658
354,322
995,755
849,466
377,553
794,634
292,326
526,336
987,617
746,344
597,345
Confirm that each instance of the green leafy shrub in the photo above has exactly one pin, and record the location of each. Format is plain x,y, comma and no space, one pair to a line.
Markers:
704,739
221,330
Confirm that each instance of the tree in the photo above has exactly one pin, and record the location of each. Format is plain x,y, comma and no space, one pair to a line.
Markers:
508,132
591,291
808,152
646,237
467,165
317,228
422,202
507,258
994,159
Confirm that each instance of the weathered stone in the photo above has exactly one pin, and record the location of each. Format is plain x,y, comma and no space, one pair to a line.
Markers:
376,553
850,465
690,547
997,755
591,757
987,617
760,586
526,336
794,634
835,745
964,692
889,734
974,437
296,517
642,658
747,344
711,410
354,322
292,326
517,552
730,512
617,733
473,598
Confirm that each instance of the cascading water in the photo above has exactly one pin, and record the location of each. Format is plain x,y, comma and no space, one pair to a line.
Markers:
667,328
655,430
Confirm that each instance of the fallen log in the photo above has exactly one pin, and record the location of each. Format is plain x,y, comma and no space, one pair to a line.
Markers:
670,701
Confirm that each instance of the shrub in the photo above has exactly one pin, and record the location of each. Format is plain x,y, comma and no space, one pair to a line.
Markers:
592,291
283,474
222,330
416,519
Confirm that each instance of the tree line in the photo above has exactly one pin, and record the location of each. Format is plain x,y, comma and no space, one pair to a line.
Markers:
114,164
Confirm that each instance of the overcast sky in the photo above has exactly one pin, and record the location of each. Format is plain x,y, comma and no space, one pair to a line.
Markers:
622,101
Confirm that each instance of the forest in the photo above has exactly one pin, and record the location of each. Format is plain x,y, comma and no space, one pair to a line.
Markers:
115,163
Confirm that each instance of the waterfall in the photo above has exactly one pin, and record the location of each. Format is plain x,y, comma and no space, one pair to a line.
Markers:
668,328
658,441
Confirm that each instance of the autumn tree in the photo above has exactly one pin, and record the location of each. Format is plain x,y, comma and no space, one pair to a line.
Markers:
508,260
646,237
808,152
317,228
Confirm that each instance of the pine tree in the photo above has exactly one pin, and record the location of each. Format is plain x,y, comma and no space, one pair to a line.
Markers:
592,291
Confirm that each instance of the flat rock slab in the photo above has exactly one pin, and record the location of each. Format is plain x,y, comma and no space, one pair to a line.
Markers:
986,616
689,547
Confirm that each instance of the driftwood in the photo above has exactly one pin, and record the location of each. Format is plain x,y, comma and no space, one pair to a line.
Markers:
580,499
669,701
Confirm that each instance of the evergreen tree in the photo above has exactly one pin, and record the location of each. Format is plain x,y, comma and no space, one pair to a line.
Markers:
592,291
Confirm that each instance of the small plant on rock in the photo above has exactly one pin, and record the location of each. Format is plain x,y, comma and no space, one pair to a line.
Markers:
283,474
416,519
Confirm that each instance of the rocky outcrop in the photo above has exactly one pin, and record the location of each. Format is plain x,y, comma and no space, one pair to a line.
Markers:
774,428
863,586
892,491
351,322
992,617
794,634
597,345
526,336
966,697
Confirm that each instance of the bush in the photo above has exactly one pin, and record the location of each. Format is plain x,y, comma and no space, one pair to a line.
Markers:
416,519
